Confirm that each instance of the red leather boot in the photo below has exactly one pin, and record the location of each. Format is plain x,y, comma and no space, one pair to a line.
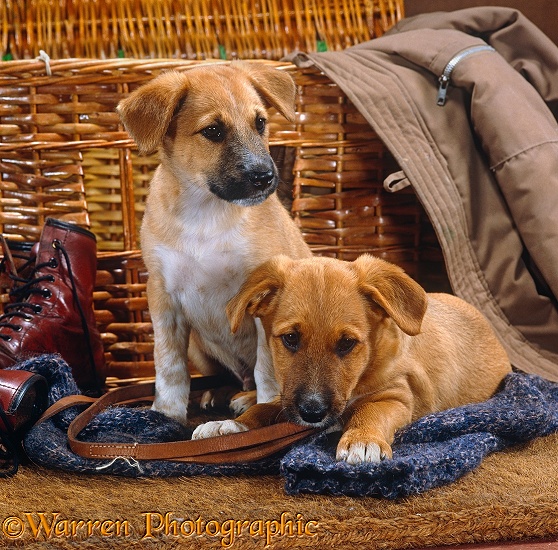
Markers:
53,311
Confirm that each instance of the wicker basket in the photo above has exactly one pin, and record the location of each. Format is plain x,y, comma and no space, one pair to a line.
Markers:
64,153
191,29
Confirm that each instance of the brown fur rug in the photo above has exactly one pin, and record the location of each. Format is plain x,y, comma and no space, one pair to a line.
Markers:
512,496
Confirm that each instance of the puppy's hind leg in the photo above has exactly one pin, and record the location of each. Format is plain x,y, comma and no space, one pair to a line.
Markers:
267,388
228,398
215,399
236,396
240,402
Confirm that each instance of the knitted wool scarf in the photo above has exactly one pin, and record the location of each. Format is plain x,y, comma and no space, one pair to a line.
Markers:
435,450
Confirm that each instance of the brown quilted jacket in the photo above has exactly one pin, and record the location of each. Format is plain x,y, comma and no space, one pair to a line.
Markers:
465,101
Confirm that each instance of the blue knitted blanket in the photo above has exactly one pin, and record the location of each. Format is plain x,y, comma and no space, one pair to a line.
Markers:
433,451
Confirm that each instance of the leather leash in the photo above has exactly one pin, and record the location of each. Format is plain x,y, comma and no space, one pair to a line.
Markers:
232,448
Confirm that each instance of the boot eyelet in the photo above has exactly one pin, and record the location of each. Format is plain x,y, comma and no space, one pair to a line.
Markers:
56,244
28,318
46,293
38,309
18,328
51,279
7,338
53,262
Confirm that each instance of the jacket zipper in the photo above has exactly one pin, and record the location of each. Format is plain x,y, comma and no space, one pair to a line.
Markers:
444,79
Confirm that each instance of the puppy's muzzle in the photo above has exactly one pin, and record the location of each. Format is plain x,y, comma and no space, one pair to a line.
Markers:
262,180
247,183
312,408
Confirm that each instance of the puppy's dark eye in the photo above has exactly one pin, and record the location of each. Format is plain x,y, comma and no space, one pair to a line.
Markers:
345,345
214,132
291,341
260,124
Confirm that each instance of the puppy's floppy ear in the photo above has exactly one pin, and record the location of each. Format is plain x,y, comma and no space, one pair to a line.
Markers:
147,112
258,292
386,284
275,87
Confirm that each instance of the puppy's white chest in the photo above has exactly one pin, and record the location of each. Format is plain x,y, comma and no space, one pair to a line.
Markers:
203,280
202,258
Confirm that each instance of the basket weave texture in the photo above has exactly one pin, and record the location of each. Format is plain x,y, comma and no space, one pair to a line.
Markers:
65,154
191,29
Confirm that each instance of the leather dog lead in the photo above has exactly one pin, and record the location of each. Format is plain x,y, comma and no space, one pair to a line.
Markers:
239,447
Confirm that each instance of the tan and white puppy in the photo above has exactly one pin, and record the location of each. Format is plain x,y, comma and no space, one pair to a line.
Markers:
211,216
363,343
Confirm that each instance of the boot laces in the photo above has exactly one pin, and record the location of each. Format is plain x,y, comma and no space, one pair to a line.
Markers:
26,288
7,266
29,287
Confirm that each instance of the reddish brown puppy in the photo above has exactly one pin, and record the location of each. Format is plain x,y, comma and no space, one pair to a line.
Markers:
363,343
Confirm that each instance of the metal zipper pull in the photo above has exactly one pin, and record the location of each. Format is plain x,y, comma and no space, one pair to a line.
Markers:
442,90
444,78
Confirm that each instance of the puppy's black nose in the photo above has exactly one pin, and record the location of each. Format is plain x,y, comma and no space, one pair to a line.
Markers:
312,409
262,180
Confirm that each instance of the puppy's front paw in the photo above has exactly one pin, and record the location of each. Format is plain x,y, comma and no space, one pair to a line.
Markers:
242,401
355,448
218,427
